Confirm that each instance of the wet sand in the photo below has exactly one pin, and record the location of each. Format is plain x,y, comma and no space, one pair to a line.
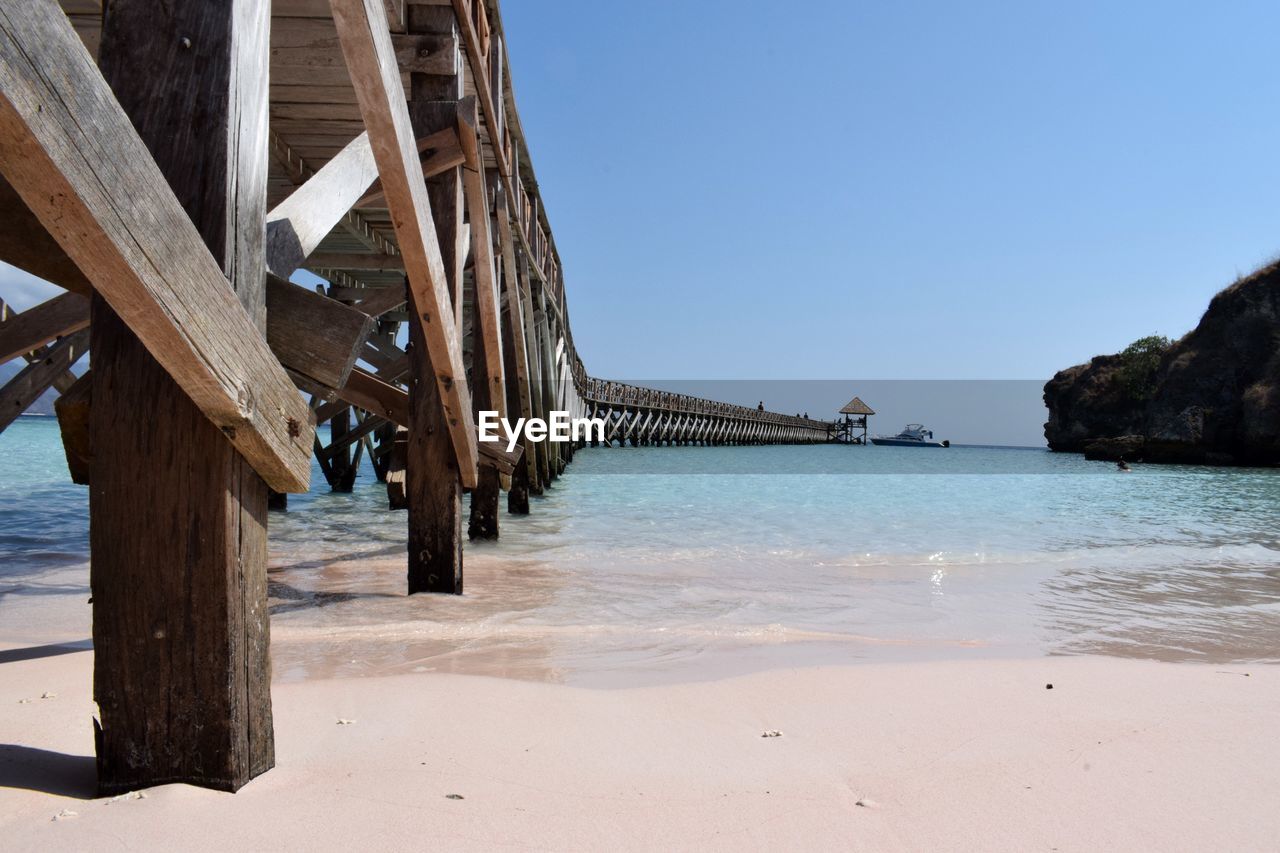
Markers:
347,616
1119,755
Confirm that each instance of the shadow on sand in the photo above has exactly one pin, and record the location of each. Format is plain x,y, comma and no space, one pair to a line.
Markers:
48,772
49,651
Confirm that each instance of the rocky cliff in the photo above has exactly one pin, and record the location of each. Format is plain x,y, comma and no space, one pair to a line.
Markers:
1214,396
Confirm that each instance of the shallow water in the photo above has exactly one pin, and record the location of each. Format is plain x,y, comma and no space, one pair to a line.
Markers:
659,563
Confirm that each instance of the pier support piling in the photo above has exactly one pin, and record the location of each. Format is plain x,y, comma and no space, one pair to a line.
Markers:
432,481
178,518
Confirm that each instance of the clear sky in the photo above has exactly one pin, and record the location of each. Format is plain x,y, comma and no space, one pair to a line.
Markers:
899,190
745,190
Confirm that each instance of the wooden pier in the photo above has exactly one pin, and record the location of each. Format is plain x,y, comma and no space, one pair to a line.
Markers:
172,164
647,417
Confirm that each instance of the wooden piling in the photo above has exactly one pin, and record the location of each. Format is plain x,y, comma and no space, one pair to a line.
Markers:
432,483
178,519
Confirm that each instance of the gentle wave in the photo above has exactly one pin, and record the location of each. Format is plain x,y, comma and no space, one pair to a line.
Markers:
648,558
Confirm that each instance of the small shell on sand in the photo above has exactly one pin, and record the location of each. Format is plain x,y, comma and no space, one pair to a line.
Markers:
772,733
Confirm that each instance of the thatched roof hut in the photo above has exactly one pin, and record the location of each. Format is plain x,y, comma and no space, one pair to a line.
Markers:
857,407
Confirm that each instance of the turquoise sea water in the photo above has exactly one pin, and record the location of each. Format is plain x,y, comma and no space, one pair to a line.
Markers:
652,559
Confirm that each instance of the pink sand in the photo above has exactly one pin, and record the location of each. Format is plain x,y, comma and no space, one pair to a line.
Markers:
1119,755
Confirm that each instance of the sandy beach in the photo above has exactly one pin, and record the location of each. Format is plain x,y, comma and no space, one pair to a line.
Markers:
1021,592
1118,755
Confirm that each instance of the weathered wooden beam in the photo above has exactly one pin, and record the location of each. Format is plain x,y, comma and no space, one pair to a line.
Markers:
366,44
297,225
72,408
397,481
310,43
299,171
167,221
486,290
515,347
490,92
344,437
381,300
72,154
353,261
370,393
541,478
445,153
27,245
391,362
317,340
35,327
433,493
38,376
494,455
343,463
488,389
380,450
312,334
386,401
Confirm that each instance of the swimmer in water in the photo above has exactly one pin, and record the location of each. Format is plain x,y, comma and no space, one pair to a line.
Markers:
1122,465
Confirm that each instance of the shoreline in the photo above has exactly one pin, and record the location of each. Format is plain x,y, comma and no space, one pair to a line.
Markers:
926,755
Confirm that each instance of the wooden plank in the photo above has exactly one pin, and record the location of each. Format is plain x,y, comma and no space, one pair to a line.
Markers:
72,409
385,400
490,97
518,487
427,54
390,362
397,487
343,465
381,300
342,438
396,370
515,346
297,225
366,43
282,93
495,456
487,300
370,393
315,44
395,15
36,378
27,245
353,261
352,223
486,369
313,335
346,128
35,327
316,112
445,153
72,154
540,405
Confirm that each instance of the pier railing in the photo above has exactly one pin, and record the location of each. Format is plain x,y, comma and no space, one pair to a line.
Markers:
622,394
